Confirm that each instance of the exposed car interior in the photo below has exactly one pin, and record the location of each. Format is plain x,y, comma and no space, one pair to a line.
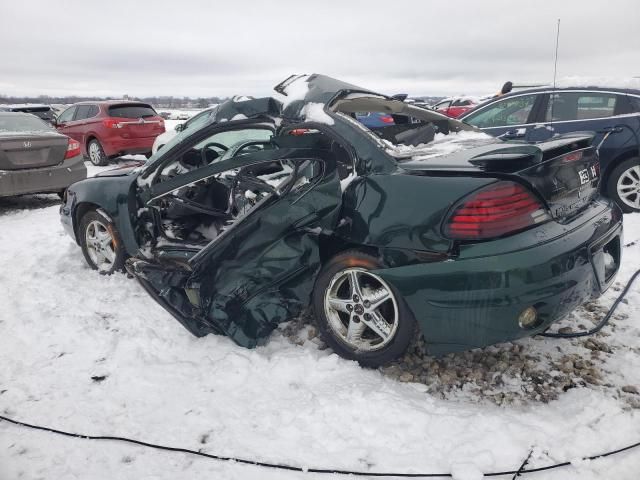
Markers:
411,125
190,217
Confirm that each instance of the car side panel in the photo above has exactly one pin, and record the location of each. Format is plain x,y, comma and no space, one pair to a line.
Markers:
113,195
262,272
402,211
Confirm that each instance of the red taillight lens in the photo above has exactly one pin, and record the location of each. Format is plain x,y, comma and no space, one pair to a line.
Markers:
111,123
73,149
572,157
495,211
387,118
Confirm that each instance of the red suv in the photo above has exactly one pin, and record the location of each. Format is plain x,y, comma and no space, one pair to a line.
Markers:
111,128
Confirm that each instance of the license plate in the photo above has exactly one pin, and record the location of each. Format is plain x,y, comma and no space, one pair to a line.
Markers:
587,174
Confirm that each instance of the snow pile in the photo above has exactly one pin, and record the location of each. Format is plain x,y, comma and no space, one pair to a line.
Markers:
295,91
314,112
97,355
441,145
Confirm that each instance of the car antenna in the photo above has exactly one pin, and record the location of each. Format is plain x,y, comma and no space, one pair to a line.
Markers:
555,70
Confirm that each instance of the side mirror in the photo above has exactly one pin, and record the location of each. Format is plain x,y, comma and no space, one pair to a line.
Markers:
179,127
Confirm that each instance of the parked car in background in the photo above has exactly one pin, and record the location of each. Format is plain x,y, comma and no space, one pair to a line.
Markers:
45,112
237,225
375,119
165,115
34,158
162,139
111,128
455,106
612,113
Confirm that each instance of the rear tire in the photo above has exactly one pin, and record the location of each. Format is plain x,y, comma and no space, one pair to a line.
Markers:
101,244
96,153
370,323
623,185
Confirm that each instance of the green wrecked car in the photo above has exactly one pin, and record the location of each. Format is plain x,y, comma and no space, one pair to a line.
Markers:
267,206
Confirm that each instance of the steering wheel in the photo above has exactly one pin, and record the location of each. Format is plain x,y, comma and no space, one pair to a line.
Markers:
203,152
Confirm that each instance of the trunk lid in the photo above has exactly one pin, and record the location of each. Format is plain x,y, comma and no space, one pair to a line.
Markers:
564,171
31,150
136,120
141,128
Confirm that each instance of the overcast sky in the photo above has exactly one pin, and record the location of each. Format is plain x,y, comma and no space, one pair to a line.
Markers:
207,48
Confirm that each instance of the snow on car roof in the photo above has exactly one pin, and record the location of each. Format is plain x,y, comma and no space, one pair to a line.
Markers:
441,145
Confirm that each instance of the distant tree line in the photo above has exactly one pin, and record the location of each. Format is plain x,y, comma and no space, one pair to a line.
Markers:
158,102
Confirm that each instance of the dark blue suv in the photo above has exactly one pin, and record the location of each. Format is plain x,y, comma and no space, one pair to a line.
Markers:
612,113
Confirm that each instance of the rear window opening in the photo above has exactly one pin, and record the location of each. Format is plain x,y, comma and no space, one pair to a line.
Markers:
406,131
131,111
198,213
397,122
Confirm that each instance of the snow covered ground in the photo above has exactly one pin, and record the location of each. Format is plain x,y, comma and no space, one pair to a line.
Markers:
95,355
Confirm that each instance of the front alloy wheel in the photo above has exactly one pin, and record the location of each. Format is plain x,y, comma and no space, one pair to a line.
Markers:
100,244
361,316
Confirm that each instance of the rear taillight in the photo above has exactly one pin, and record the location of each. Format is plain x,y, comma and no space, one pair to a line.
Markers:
111,123
73,149
386,118
494,211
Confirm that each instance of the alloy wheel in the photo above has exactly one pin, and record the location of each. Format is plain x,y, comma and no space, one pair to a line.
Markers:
361,309
95,155
100,245
628,187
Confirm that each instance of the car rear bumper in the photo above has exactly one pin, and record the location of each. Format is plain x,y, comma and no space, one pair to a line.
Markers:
473,302
40,180
125,146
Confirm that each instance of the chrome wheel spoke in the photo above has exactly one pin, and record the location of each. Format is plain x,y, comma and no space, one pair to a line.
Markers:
339,304
377,298
354,284
109,255
355,329
379,325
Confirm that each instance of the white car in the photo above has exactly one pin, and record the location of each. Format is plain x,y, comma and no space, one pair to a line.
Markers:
161,140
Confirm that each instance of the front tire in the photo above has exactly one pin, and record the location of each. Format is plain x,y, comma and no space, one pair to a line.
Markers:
359,315
101,244
96,153
623,185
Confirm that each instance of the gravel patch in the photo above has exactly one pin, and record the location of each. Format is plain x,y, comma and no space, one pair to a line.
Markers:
516,373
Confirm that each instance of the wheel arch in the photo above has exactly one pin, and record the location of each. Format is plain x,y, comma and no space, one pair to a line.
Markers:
331,246
79,212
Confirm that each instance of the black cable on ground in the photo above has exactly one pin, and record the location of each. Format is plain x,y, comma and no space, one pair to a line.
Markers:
280,466
602,322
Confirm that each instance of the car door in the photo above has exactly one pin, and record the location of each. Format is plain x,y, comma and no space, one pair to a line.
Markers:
62,122
75,126
260,270
511,117
593,111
